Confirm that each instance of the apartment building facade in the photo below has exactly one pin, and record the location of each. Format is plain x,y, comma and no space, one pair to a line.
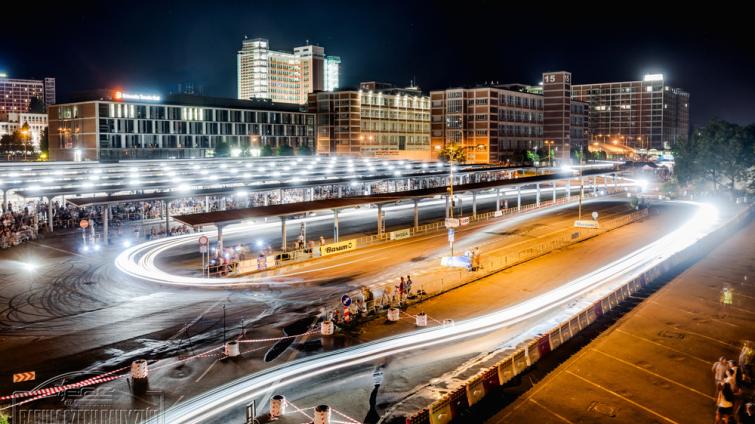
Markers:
643,115
377,120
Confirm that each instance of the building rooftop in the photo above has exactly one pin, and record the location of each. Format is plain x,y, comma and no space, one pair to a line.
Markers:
187,100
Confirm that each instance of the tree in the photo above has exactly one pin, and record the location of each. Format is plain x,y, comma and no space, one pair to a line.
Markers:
266,150
36,105
304,151
453,153
10,144
532,156
719,152
222,149
285,150
686,160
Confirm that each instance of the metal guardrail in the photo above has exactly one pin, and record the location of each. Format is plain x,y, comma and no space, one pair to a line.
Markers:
291,257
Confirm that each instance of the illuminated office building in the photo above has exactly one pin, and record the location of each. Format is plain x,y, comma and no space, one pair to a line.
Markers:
116,125
377,120
642,115
16,94
284,77
499,123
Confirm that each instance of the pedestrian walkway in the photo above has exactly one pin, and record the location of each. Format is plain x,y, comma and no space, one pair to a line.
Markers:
656,363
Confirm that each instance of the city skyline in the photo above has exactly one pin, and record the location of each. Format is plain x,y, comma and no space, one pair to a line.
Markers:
377,43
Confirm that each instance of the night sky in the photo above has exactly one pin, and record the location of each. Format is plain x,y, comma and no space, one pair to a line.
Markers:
155,45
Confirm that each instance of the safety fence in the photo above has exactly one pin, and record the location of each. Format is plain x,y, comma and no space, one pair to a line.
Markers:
290,257
452,406
370,302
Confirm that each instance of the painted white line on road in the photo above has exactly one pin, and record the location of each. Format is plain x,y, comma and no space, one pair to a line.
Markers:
704,361
207,370
617,359
552,412
67,252
657,414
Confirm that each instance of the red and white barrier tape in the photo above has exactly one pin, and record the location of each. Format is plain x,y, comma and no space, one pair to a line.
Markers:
49,391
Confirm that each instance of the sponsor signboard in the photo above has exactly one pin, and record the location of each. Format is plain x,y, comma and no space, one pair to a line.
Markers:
400,234
456,261
586,223
464,221
342,246
498,213
452,222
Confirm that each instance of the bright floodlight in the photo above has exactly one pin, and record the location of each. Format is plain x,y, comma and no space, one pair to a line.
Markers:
126,243
259,243
184,187
29,267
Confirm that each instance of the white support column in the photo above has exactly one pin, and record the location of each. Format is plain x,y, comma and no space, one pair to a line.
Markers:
605,183
416,214
335,226
498,199
594,184
50,210
537,195
555,186
447,207
568,189
311,194
519,198
106,224
220,240
280,196
380,225
474,204
167,218
615,182
283,233
340,191
207,204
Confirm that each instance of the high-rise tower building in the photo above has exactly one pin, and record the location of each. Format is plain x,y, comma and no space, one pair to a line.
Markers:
284,77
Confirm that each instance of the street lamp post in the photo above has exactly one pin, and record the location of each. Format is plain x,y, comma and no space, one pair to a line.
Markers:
25,138
549,145
451,196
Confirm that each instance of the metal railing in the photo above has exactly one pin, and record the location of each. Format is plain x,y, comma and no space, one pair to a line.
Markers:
291,257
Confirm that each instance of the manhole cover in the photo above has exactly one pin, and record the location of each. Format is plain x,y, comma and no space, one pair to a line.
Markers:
671,334
602,409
